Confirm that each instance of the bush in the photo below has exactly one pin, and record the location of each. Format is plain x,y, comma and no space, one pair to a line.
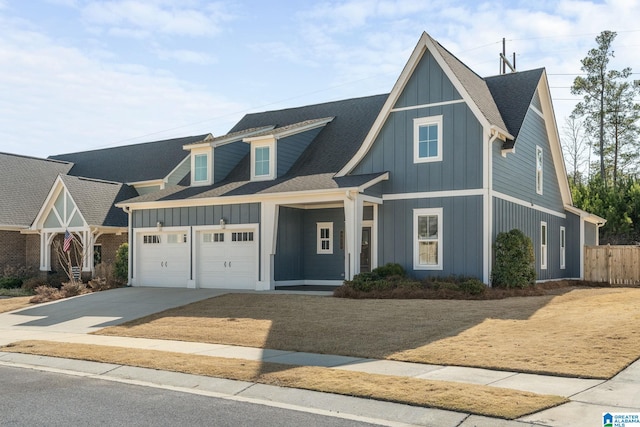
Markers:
10,282
514,261
472,287
387,270
45,294
73,288
32,283
121,264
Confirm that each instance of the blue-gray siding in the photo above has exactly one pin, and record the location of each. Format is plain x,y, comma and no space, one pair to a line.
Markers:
393,151
515,174
296,249
291,147
508,216
462,235
180,172
245,213
536,101
226,157
428,84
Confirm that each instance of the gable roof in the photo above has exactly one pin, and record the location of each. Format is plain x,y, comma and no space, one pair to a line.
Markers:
131,163
25,184
96,200
513,94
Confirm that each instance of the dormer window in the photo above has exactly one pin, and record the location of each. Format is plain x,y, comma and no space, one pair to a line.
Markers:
263,160
200,168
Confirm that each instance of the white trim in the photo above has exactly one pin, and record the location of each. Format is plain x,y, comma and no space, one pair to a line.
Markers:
417,213
529,205
149,183
434,194
320,240
309,282
198,168
544,245
563,248
427,121
208,151
535,110
435,104
374,181
269,143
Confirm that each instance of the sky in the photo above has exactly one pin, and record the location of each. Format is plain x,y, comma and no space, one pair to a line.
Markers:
79,75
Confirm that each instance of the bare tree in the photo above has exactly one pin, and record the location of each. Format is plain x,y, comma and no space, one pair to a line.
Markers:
575,146
70,258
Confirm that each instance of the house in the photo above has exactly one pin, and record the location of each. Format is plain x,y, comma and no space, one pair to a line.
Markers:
425,176
43,198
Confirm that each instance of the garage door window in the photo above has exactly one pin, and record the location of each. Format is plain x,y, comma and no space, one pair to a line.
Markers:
151,239
244,236
212,237
177,238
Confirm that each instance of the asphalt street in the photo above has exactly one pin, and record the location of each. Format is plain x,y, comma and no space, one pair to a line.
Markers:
36,398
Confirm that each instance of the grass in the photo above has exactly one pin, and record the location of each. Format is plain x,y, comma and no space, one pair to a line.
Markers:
15,303
588,333
468,398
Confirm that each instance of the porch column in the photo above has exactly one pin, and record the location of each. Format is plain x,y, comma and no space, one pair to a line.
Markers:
268,236
45,250
87,249
353,207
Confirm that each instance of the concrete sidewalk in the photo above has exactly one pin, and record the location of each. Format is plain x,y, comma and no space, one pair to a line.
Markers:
589,398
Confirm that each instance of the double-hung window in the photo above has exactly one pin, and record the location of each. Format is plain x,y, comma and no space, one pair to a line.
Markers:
427,239
539,169
324,237
201,168
427,139
262,161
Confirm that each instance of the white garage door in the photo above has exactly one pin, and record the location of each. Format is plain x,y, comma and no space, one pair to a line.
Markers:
227,259
162,259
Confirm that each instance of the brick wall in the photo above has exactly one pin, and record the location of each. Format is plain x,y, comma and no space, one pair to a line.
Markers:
110,244
32,256
12,249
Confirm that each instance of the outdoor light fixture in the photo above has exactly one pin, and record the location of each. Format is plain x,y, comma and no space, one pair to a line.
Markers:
222,223
159,225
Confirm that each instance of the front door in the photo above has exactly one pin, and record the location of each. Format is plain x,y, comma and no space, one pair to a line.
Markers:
365,250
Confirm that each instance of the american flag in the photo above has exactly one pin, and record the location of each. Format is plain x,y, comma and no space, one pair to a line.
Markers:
68,237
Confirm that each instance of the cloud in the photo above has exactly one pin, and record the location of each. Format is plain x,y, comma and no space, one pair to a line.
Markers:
57,99
134,17
186,56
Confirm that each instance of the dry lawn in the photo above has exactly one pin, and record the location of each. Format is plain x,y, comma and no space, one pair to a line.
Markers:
15,303
475,399
590,333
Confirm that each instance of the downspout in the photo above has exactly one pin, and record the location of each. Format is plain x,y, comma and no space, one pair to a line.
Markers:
489,209
127,210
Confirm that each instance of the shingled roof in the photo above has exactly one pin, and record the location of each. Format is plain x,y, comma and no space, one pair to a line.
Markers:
25,184
131,163
96,200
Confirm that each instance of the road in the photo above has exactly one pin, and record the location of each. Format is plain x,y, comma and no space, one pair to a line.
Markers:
36,398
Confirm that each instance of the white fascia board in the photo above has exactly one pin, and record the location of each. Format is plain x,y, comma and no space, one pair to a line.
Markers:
554,139
149,183
295,197
589,217
48,201
204,143
366,185
7,227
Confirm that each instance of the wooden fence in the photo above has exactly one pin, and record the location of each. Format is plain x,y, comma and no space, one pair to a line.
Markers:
616,265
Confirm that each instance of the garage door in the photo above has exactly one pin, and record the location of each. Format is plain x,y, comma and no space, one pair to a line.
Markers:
162,259
227,259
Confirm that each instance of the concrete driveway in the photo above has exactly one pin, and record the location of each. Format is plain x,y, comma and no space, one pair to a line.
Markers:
87,313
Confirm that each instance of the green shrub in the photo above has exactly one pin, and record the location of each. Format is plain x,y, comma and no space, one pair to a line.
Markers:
472,287
121,264
387,270
514,261
10,282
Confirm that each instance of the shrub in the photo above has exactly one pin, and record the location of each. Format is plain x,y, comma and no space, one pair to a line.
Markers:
514,261
45,294
33,282
472,287
73,288
10,282
121,264
387,270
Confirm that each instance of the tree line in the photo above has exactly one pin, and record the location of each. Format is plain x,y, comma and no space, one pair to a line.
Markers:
601,144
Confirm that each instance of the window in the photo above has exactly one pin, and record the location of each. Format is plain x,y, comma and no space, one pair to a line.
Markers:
212,237
242,236
200,168
262,161
325,235
427,138
543,245
539,170
563,257
177,238
97,254
427,232
150,239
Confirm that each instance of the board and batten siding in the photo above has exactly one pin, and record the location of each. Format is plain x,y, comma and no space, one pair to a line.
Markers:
509,216
515,174
226,157
462,250
291,147
245,213
289,257
393,151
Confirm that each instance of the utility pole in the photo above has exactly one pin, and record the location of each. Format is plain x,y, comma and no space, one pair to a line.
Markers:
504,62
